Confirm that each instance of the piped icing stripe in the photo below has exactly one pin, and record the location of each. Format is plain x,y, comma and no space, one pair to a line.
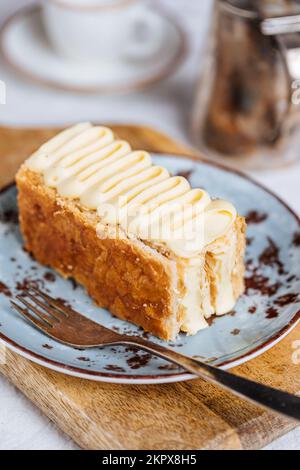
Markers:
87,163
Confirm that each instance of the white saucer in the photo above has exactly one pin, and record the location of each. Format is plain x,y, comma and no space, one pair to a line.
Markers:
25,47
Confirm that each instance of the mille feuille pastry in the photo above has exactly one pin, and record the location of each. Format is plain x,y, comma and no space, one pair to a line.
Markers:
167,267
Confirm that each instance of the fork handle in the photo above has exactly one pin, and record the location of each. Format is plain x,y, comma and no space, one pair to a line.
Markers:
268,397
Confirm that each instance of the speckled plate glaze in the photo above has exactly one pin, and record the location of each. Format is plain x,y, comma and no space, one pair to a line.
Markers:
262,317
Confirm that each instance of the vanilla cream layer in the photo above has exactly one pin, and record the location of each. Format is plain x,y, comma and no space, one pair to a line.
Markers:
215,266
87,163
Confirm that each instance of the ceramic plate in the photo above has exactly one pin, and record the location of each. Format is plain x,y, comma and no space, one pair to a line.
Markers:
263,316
25,47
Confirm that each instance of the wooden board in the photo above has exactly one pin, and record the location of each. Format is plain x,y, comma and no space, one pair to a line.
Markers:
190,415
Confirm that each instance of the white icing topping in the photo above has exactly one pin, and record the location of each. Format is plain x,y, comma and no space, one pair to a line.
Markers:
87,163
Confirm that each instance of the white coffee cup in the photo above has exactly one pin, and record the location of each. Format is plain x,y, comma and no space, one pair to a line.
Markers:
103,30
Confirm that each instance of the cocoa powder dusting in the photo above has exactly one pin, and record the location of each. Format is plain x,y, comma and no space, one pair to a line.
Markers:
250,241
5,290
252,309
271,313
260,283
235,332
296,239
286,299
137,360
270,256
9,216
49,277
170,367
185,174
255,217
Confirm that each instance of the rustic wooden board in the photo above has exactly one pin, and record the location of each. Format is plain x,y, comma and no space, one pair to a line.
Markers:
190,415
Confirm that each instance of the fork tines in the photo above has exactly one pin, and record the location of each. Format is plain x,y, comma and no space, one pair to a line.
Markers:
61,322
42,310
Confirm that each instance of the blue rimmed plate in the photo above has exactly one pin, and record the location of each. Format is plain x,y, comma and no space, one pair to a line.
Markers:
262,317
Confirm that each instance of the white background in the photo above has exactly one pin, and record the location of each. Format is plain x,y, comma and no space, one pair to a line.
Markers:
166,107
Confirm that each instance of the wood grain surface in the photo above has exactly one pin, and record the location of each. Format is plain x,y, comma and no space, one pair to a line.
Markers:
189,415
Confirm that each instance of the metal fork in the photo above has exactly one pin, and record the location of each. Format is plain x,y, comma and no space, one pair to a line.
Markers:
67,326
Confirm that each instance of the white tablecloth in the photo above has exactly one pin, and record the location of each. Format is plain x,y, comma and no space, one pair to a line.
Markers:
166,107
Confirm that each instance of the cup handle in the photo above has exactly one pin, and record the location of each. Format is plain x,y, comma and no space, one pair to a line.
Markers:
144,35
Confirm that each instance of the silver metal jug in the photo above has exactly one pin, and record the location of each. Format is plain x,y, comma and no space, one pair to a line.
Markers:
247,109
